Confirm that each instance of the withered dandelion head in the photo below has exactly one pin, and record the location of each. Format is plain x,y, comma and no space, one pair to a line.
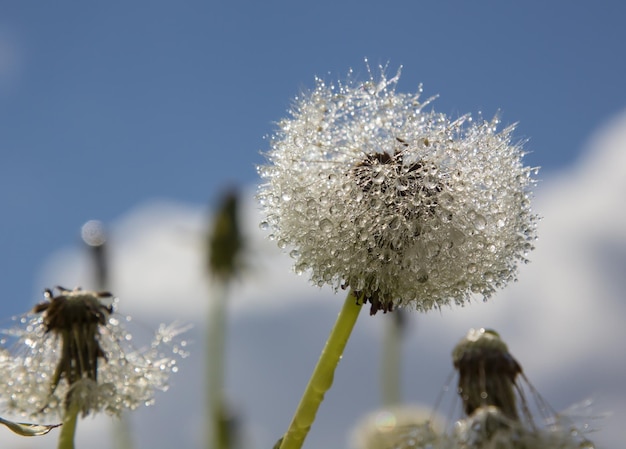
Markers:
489,428
487,372
73,348
369,190
74,317
498,414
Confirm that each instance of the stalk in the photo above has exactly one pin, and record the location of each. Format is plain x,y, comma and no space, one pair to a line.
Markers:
68,429
323,374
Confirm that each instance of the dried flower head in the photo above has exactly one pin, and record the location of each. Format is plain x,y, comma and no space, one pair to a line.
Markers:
73,348
497,411
489,428
498,414
403,205
487,372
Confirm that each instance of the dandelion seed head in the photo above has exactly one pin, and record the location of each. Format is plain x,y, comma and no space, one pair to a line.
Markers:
366,189
489,428
98,369
401,427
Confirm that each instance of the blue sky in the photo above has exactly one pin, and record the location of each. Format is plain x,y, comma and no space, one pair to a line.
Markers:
107,106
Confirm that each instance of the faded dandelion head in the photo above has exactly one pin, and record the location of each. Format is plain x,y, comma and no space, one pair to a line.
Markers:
395,427
487,372
73,349
489,428
497,411
407,207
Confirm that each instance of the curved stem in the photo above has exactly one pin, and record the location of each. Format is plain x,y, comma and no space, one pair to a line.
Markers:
68,429
323,374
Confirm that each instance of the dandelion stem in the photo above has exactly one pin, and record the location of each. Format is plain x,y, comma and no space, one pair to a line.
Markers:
323,374
218,416
68,429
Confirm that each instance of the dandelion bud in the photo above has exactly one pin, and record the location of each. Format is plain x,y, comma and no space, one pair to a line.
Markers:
225,241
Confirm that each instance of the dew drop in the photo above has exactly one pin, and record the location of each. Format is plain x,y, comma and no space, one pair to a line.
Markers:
264,225
294,254
457,236
480,222
376,203
286,196
445,215
326,225
402,184
378,175
430,182
300,268
445,199
432,249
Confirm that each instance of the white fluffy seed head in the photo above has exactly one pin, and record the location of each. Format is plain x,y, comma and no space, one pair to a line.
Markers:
408,207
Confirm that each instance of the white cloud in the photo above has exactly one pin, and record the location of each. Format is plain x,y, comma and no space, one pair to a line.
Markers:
562,320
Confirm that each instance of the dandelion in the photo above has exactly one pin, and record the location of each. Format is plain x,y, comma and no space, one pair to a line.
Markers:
487,373
371,191
489,387
224,241
497,411
224,246
402,206
72,356
489,428
385,428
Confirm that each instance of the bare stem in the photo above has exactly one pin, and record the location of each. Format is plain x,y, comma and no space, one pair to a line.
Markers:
68,429
220,433
323,374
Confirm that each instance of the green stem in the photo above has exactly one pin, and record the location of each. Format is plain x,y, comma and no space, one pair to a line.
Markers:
323,374
220,437
68,429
